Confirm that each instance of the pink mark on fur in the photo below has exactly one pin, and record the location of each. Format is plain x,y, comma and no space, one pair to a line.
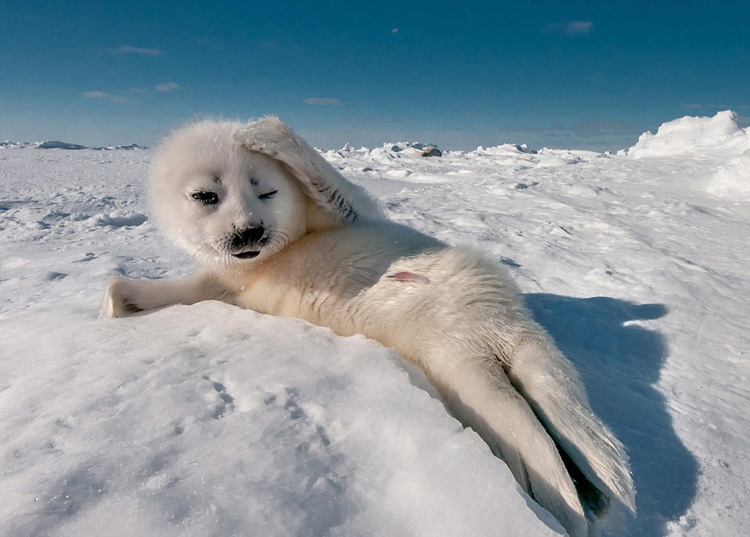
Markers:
409,277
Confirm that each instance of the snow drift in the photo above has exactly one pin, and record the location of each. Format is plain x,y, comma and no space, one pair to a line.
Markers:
733,177
692,135
717,138
210,420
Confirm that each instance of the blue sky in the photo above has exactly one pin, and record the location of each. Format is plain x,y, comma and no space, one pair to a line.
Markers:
459,74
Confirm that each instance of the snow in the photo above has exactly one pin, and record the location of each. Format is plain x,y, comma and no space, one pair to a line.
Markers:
734,177
56,144
210,420
688,134
718,139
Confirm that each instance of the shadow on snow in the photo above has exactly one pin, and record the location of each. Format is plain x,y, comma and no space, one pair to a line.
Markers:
620,363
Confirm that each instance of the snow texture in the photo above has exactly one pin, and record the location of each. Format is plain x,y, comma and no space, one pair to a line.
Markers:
211,420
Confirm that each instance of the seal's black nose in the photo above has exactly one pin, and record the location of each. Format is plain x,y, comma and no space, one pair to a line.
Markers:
251,235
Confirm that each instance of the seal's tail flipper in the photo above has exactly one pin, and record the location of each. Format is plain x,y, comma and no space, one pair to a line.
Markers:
547,380
481,394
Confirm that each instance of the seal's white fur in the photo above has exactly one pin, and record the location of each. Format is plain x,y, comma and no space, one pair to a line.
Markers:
328,256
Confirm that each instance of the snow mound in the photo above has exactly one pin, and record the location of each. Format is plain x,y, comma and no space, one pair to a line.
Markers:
120,219
503,149
691,134
286,430
8,144
716,139
734,177
128,147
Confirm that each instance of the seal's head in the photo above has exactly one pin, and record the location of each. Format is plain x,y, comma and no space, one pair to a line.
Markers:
223,204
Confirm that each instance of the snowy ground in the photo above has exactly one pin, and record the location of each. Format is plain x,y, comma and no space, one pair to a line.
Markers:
210,420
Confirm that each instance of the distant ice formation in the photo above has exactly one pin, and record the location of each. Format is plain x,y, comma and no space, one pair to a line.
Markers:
56,144
692,134
718,137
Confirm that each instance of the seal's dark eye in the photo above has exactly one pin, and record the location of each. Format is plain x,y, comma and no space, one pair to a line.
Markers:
268,195
207,198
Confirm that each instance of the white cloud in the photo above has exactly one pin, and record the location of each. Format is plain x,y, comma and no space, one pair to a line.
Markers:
168,86
570,28
127,49
579,27
322,101
104,95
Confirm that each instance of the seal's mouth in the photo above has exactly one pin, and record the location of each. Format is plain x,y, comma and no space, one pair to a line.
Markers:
246,255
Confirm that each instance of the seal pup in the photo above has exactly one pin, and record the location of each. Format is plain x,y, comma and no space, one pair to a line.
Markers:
277,229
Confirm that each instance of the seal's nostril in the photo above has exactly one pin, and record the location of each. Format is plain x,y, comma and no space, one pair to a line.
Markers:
254,234
247,236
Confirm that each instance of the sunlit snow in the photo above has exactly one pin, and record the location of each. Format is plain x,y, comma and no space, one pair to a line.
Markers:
211,420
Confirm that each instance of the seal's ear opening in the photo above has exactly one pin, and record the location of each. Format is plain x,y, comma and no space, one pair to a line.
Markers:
330,190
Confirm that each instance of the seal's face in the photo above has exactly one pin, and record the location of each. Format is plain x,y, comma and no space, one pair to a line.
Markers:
223,204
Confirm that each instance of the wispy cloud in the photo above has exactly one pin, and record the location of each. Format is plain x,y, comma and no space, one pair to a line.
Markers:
604,128
579,27
581,129
322,101
104,95
127,49
569,28
168,86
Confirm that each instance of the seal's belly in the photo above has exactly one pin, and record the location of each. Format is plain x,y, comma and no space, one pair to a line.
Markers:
346,279
403,290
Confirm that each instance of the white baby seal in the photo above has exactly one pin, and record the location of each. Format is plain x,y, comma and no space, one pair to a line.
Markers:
277,229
